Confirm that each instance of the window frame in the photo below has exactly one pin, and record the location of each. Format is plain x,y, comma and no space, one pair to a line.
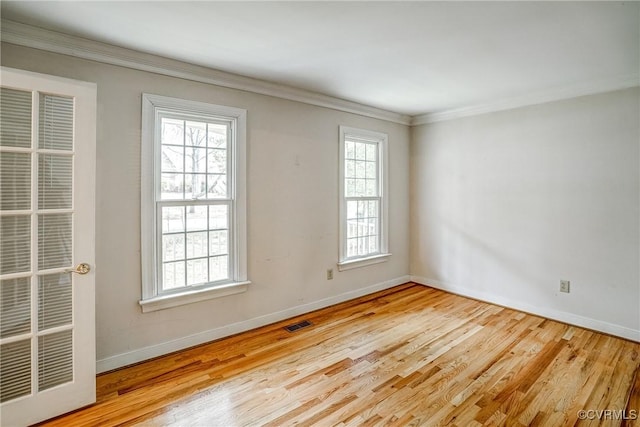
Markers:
154,107
381,140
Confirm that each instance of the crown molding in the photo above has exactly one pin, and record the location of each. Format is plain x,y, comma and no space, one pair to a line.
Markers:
558,94
53,41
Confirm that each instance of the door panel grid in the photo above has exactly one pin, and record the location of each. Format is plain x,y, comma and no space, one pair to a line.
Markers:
36,231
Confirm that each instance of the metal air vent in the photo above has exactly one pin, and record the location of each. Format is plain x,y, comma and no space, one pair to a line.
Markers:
299,325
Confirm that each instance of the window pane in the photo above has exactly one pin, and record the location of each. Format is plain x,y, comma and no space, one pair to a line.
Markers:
55,359
217,161
352,247
15,371
54,241
15,118
362,228
195,186
15,181
352,228
361,153
350,171
350,150
373,227
196,160
360,188
197,273
360,169
55,182
371,152
217,186
15,244
172,158
372,187
218,268
218,242
56,123
54,300
173,247
195,134
372,209
196,218
350,187
362,205
218,217
371,170
173,219
196,245
172,131
217,135
373,245
15,306
173,275
361,245
352,208
172,186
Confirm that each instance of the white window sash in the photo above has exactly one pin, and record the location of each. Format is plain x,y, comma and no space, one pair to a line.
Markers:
379,236
230,242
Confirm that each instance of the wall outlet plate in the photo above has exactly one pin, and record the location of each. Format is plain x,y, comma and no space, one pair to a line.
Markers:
330,274
565,286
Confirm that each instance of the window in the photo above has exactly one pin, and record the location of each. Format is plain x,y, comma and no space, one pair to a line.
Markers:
363,198
193,201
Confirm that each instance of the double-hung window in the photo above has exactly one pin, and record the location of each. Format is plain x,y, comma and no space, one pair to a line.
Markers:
193,201
363,198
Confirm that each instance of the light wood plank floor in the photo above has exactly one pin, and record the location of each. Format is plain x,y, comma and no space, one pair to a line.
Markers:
411,355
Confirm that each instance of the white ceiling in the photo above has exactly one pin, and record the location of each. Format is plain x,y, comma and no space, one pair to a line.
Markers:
407,57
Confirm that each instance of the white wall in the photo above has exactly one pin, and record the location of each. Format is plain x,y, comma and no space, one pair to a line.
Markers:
292,211
504,205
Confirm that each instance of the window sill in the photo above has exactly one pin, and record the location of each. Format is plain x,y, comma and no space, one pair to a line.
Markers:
188,297
362,262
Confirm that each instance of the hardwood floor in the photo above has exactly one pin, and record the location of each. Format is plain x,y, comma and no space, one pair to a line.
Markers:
411,355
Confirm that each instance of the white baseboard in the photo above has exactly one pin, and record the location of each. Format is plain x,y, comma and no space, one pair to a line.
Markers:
139,355
561,316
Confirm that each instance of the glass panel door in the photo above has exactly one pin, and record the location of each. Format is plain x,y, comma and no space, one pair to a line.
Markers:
39,332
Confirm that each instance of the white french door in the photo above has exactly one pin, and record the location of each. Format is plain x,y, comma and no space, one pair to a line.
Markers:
47,246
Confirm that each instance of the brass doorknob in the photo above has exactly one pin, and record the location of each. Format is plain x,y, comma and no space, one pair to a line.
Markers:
83,268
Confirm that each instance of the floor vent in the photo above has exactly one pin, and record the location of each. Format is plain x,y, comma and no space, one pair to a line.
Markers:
299,325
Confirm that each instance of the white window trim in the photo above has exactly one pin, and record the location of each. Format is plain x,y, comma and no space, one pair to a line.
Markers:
382,139
152,105
161,302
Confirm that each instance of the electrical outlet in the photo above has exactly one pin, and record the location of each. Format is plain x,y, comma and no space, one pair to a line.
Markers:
330,274
565,286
